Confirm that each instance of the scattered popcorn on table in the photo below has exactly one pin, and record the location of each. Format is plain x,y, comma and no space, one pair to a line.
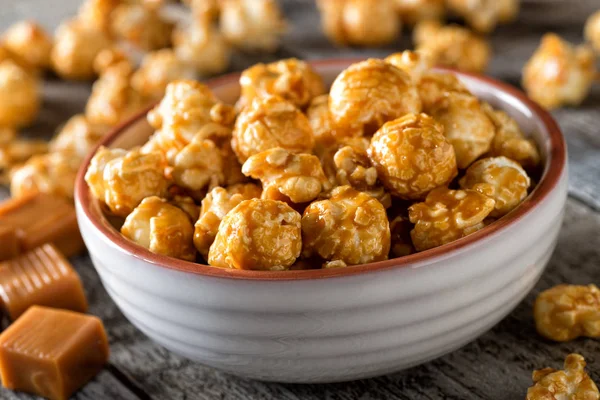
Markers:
30,43
97,14
592,30
141,25
414,11
484,15
110,57
202,47
20,95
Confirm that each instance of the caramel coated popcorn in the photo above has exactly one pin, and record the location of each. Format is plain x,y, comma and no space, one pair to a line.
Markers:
162,228
349,226
558,73
466,126
16,151
412,156
96,14
413,11
111,57
19,95
324,132
434,86
359,22
571,383
566,312
296,178
447,215
369,93
484,15
198,165
258,234
76,45
217,203
294,80
452,46
592,30
203,47
401,242
499,178
270,122
141,25
30,43
414,63
253,25
122,181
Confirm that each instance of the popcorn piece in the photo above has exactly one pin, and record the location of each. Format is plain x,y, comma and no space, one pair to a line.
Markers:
28,41
572,383
52,173
434,86
78,136
359,22
270,122
113,99
467,127
414,63
161,228
232,169
294,80
18,151
110,57
319,117
401,243
142,26
202,47
157,70
412,156
254,25
198,165
558,73
369,93
499,178
447,215
296,178
484,15
566,312
19,95
592,30
509,141
96,14
350,226
258,234
217,203
414,11
76,45
188,205
123,181
204,10
452,46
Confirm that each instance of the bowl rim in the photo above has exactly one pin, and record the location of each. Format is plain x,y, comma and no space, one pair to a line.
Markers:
553,170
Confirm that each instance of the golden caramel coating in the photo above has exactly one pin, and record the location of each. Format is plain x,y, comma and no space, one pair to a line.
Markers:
217,203
296,178
258,234
350,226
447,215
434,86
123,181
558,73
232,169
96,14
252,25
509,141
324,132
203,47
414,11
592,30
187,204
484,15
359,22
110,57
294,80
19,95
499,178
28,41
369,93
412,156
14,152
466,126
46,173
566,312
204,10
157,70
572,383
452,46
141,26
401,243
270,122
198,165
113,99
414,63
162,228
76,45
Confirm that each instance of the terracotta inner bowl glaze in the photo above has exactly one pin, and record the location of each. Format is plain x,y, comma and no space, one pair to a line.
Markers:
532,118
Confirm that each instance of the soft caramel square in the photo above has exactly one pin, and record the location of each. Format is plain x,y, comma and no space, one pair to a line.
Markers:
52,353
42,277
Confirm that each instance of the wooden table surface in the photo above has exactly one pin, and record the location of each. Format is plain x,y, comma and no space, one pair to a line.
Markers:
496,366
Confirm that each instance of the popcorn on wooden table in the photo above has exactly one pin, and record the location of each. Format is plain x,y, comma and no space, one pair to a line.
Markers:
157,70
30,43
141,25
20,95
414,11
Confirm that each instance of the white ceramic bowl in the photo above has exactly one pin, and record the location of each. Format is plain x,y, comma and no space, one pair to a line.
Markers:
338,324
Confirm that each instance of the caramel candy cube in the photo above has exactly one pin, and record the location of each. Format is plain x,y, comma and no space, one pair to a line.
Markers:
9,243
52,353
42,218
40,277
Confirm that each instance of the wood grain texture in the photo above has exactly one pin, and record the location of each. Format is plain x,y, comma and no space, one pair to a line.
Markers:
496,366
